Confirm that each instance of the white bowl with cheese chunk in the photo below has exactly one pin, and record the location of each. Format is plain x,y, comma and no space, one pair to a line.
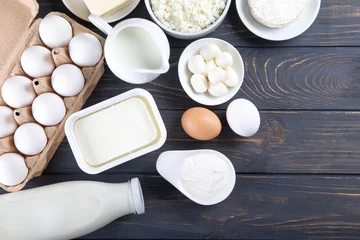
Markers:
281,33
185,74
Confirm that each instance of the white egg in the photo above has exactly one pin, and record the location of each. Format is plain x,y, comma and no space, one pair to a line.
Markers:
85,50
196,64
199,83
231,77
67,80
55,31
13,170
218,89
8,124
30,139
18,92
217,75
224,60
210,65
243,117
48,109
210,51
37,62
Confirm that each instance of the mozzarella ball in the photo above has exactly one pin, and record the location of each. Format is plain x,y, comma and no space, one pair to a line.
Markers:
231,77
224,60
13,170
37,62
210,65
85,50
243,117
196,64
67,80
55,31
218,90
210,51
30,139
217,75
48,109
8,124
18,92
199,83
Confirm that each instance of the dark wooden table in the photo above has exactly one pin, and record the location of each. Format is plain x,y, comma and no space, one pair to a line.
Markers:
296,178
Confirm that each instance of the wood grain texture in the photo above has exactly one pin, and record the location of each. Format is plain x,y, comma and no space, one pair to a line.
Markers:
275,79
336,25
287,142
260,207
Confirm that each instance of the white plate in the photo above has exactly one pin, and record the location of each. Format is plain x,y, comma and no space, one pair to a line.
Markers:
185,74
279,34
79,9
169,166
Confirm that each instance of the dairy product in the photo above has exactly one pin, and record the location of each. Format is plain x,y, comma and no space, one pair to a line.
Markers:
116,131
276,13
199,83
67,210
105,8
213,72
196,64
205,175
188,16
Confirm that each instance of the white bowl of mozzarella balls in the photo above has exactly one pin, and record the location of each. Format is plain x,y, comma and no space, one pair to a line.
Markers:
211,71
48,109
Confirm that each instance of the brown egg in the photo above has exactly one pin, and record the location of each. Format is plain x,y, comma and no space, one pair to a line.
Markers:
201,123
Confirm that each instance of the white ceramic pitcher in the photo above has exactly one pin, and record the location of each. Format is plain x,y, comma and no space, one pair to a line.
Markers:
136,50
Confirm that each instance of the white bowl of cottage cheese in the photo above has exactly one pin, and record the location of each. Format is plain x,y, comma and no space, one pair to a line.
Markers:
188,19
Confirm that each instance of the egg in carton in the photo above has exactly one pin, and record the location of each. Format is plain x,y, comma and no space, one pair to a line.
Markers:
27,35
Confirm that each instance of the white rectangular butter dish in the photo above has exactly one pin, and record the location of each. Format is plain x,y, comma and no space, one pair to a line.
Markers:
115,131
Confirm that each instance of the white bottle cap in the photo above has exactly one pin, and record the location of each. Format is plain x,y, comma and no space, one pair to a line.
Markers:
137,196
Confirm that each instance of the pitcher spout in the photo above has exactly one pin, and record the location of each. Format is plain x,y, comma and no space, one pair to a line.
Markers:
163,68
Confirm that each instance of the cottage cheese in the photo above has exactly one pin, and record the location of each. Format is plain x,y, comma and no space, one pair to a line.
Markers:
188,16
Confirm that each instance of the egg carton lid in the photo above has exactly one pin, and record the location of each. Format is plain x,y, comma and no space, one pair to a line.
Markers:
16,16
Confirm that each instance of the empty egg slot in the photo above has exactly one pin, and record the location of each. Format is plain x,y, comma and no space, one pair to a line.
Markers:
42,85
23,115
61,56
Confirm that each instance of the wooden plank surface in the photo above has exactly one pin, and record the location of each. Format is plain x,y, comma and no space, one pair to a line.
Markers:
275,79
261,207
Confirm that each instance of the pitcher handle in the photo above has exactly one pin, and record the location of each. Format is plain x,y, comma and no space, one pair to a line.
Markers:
100,23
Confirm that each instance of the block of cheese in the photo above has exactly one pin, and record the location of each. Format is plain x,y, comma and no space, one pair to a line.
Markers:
105,8
276,13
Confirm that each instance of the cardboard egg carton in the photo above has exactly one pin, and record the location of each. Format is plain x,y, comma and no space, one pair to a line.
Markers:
12,67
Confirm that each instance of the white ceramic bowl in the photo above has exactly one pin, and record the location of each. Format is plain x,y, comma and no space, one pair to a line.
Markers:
194,35
279,34
185,74
169,166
